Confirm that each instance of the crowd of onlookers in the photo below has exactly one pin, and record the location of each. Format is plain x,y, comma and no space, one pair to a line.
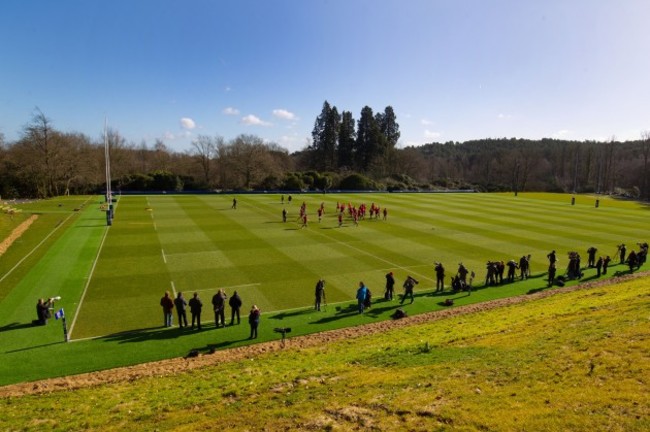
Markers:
461,281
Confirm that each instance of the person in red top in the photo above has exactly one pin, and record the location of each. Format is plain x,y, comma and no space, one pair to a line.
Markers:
340,219
304,221
168,306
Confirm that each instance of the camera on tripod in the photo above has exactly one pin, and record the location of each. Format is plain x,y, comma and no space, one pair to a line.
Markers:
282,330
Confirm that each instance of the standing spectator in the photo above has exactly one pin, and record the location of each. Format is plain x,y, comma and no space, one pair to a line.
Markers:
284,215
523,267
390,286
408,286
219,306
319,293
235,305
181,304
361,296
234,203
512,267
254,321
551,273
621,251
167,306
591,257
599,266
195,308
606,262
462,273
440,277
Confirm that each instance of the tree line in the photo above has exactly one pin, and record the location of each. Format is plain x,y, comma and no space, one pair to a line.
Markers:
343,154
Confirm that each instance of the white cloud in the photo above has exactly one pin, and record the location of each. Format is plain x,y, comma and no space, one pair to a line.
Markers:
169,136
227,89
561,134
504,116
431,134
284,114
252,120
231,111
425,122
187,123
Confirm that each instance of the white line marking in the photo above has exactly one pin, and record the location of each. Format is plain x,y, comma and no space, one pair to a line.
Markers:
90,276
228,287
163,255
154,227
38,245
173,289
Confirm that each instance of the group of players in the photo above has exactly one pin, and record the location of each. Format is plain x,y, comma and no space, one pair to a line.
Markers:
354,213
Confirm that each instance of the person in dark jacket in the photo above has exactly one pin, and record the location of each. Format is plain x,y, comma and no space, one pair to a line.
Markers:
219,306
254,321
195,308
319,294
43,311
167,306
408,286
235,305
390,286
181,304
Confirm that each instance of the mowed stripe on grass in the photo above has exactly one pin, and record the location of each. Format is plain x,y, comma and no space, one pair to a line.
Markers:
201,244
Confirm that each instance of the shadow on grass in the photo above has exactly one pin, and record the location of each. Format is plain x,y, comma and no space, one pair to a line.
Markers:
341,312
33,347
146,334
289,314
16,326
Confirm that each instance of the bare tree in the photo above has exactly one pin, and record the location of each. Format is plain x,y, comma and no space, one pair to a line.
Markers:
204,148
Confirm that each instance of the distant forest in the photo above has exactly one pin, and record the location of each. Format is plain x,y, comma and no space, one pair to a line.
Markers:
344,154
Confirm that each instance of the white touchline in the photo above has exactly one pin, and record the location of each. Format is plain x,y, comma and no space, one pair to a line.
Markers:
163,255
90,276
173,289
228,287
38,245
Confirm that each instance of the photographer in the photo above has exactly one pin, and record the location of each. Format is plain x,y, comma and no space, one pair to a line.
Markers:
43,311
408,286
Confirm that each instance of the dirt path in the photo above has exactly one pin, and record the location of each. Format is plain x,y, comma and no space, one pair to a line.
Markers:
178,365
16,233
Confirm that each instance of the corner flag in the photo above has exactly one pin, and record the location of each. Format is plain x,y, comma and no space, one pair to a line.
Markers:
59,314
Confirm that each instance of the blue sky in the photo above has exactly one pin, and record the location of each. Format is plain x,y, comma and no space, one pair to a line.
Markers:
452,70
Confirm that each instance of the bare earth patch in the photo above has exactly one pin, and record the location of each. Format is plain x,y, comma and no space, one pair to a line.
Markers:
178,365
16,233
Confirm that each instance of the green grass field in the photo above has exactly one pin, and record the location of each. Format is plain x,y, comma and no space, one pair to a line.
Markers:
111,279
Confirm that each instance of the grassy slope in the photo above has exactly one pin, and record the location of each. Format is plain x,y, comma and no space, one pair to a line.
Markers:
576,361
208,245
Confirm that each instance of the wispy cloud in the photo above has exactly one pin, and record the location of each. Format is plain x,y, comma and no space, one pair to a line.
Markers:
503,116
252,120
230,111
187,123
431,134
425,122
284,114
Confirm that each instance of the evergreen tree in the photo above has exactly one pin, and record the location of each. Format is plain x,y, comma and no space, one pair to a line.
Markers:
368,139
347,138
325,138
